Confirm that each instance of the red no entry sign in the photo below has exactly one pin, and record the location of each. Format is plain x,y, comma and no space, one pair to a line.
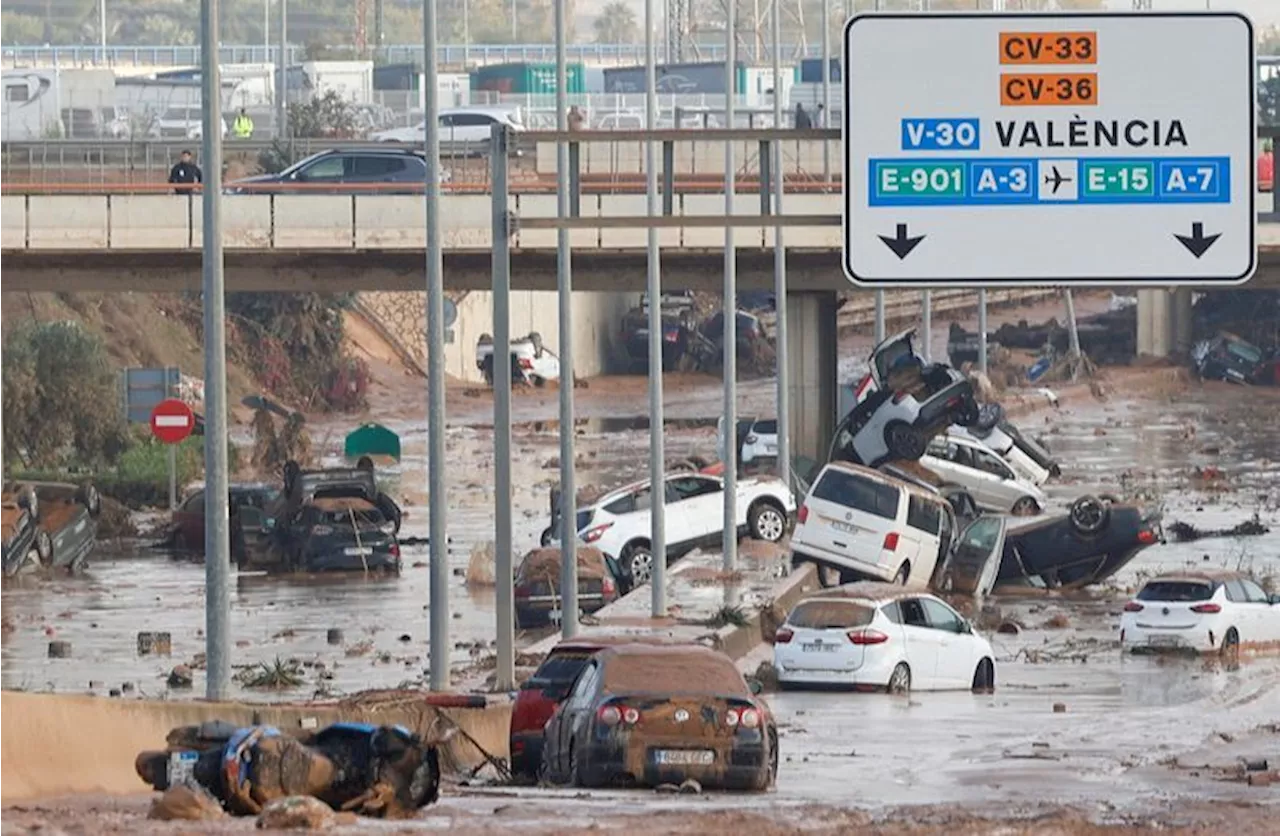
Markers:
172,421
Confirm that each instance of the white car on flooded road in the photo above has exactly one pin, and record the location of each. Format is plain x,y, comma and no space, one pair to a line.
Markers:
619,523
878,637
1206,612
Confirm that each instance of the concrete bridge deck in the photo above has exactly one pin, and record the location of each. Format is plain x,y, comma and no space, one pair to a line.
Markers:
291,242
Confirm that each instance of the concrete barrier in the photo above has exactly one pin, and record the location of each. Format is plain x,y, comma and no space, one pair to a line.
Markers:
13,222
150,221
68,222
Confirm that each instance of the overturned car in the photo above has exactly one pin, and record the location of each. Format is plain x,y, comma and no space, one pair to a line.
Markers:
377,771
325,520
48,524
905,402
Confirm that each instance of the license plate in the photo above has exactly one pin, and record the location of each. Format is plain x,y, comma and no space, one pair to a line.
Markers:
1164,641
771,449
818,647
684,757
555,615
847,528
182,765
357,551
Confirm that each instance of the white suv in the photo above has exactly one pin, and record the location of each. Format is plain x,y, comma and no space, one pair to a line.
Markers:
867,525
1202,611
619,524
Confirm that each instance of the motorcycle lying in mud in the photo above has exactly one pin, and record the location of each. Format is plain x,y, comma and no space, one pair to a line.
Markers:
376,771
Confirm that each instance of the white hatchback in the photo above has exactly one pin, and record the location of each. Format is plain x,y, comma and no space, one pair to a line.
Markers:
1206,612
873,636
988,477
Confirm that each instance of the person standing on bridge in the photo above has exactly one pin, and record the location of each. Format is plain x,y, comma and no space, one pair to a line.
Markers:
185,173
242,128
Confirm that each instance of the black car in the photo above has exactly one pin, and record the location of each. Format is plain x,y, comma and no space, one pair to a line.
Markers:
677,330
343,170
328,520
1094,540
1227,357
748,331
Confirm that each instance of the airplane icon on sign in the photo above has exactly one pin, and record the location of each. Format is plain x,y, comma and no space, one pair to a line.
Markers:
1056,179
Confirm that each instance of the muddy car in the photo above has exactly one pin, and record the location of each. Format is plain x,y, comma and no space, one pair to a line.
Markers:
25,543
1201,612
678,328
537,585
905,403
69,513
1227,357
1092,541
376,771
329,520
649,715
246,506
541,693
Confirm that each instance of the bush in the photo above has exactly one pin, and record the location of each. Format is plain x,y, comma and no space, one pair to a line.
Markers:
61,398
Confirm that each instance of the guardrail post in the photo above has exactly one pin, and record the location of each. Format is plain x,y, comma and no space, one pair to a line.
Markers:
766,178
575,180
669,177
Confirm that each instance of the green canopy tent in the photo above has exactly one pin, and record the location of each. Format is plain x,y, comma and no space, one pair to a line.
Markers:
375,441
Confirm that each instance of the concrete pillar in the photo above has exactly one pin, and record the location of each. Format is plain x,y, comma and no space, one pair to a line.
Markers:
814,350
1182,336
1155,323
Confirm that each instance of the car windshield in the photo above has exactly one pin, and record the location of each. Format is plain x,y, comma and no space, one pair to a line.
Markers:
825,615
854,491
1176,591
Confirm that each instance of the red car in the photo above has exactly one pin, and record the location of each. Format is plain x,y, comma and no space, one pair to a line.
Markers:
187,534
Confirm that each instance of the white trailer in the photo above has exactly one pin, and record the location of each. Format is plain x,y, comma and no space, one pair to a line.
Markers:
58,103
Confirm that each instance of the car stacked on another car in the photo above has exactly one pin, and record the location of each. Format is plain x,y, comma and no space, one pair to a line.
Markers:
904,402
619,523
988,477
1201,611
876,636
649,715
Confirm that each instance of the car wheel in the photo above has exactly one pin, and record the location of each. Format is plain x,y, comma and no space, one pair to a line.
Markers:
1025,507
88,496
548,535
900,680
27,499
1089,515
904,574
904,441
984,678
539,381
44,546
766,522
639,562
1230,649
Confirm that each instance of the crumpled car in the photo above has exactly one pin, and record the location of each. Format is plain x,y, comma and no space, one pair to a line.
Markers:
905,403
531,362
376,771
56,523
1227,357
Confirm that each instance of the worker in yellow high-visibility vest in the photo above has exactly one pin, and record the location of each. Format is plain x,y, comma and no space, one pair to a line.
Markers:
242,128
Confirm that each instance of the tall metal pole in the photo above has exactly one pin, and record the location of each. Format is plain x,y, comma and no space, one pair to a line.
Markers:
266,30
217,536
282,86
782,353
926,325
880,326
436,464
657,476
564,280
826,121
102,27
982,330
504,578
515,21
730,307
466,34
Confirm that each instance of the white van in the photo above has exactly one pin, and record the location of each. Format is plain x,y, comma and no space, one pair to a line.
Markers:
861,524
